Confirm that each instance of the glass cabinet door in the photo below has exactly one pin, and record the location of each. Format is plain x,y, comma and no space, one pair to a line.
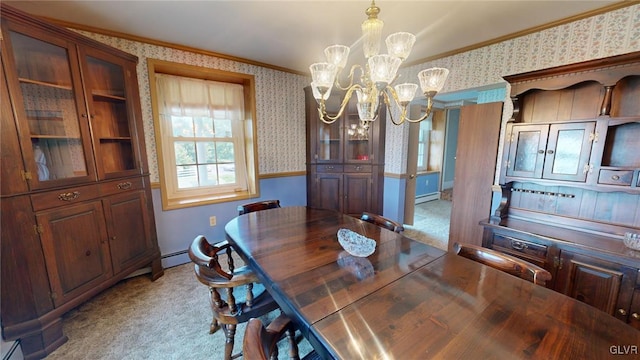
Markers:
329,142
110,118
527,150
568,151
357,140
55,142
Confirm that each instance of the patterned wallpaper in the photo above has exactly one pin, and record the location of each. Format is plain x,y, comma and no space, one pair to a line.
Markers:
280,99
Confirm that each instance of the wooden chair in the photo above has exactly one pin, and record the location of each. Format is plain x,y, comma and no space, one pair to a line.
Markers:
228,312
382,222
261,343
257,206
504,262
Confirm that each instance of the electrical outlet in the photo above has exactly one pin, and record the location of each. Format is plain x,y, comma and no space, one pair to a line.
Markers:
212,221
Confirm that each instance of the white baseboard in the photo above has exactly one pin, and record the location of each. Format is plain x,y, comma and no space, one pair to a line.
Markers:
429,197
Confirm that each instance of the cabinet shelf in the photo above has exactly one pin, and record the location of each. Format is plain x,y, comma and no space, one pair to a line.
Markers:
55,137
106,96
44,83
115,138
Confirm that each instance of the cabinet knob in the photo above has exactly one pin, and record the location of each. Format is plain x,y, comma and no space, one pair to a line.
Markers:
541,151
615,177
622,312
88,253
635,316
113,238
550,152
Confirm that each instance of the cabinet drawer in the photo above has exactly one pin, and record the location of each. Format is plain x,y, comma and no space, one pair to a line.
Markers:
531,251
616,177
119,186
357,168
330,168
68,196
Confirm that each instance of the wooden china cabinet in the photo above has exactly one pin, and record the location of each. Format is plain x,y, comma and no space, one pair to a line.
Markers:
77,213
570,180
345,170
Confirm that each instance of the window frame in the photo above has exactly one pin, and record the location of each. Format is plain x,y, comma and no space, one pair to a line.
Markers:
165,169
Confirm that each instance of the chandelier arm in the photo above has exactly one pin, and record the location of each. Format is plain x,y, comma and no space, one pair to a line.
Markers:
386,101
351,73
322,110
427,113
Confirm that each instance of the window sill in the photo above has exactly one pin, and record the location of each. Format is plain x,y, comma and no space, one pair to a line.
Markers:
205,200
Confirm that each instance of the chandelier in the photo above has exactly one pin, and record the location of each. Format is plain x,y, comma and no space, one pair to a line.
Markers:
376,76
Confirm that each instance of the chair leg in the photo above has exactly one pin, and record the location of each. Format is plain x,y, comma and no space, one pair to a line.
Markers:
216,303
214,326
293,346
230,333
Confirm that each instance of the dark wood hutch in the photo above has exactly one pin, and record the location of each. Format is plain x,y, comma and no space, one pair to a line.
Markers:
345,172
570,180
77,213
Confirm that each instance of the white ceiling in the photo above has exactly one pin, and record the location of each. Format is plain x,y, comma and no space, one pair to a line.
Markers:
293,34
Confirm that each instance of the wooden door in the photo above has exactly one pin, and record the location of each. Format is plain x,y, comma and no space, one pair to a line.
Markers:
74,242
412,172
128,227
478,136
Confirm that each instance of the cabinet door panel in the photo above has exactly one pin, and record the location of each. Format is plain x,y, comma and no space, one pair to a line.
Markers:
357,188
329,191
568,151
128,228
75,248
595,282
527,150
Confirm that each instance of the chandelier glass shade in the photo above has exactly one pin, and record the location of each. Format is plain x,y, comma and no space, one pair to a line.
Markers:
377,75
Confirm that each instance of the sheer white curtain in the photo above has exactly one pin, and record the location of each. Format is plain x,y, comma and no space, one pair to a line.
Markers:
195,98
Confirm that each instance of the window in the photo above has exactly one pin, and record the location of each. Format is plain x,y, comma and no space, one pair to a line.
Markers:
204,130
423,144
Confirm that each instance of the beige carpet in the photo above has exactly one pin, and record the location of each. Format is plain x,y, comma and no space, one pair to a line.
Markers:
431,223
140,319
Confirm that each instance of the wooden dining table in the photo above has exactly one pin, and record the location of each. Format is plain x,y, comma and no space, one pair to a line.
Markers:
410,300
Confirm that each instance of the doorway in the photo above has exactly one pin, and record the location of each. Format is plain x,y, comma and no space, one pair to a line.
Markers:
428,203
437,206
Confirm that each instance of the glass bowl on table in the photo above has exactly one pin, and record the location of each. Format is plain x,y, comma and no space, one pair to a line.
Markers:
356,244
